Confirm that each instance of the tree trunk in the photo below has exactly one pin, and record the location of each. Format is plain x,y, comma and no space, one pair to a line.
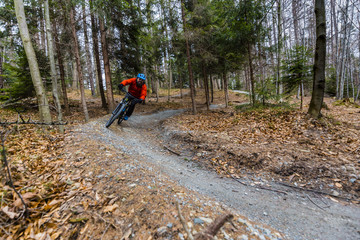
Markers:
75,77
226,91
334,25
295,20
88,56
42,29
44,109
278,52
206,87
62,72
52,63
252,80
1,68
192,86
319,62
340,93
78,64
94,31
104,47
170,81
157,84
212,88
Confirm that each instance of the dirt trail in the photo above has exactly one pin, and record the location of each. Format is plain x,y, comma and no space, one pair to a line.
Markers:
299,215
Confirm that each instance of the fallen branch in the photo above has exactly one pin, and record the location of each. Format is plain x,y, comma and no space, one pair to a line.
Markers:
270,189
6,123
182,220
210,232
314,191
315,203
172,151
107,222
265,188
3,154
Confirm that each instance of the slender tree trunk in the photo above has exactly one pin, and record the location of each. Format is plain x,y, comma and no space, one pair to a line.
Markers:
75,77
78,64
88,56
206,87
340,93
42,29
252,80
212,88
97,58
295,20
1,68
279,47
181,85
62,72
157,84
226,91
192,86
104,47
170,81
44,109
319,63
52,63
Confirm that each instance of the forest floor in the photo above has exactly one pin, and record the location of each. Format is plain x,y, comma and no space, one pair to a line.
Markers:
86,184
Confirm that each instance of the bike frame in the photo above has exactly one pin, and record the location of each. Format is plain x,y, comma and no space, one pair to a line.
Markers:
121,109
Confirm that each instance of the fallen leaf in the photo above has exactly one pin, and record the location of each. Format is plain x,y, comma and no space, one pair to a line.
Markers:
9,213
27,197
126,234
110,208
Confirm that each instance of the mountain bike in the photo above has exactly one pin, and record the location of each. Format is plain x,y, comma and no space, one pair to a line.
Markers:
121,109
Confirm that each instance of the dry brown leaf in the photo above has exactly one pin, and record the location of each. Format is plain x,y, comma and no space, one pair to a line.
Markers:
56,235
9,213
110,208
126,234
27,197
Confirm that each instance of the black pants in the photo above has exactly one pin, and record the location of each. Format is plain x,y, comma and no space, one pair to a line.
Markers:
132,107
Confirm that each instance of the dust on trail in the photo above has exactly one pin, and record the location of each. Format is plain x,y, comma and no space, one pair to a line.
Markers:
299,215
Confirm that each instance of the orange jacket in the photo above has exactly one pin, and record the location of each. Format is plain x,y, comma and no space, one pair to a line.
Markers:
138,92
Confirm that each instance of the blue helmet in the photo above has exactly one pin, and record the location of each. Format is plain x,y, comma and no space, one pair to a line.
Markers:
141,76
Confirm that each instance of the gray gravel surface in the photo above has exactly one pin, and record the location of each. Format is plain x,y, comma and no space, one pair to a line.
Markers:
299,215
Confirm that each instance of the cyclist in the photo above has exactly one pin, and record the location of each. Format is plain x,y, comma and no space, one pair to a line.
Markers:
137,89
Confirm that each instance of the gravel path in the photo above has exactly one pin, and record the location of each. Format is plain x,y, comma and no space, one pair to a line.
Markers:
299,215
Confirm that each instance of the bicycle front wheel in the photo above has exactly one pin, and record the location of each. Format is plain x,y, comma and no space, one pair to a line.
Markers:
114,116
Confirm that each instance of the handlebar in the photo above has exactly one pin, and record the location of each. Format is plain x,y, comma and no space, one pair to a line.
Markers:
126,92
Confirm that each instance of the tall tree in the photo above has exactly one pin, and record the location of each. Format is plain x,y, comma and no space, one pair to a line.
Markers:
94,31
87,53
78,64
1,67
62,71
104,47
319,63
52,61
191,78
44,109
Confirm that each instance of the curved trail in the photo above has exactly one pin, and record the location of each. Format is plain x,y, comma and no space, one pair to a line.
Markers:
298,215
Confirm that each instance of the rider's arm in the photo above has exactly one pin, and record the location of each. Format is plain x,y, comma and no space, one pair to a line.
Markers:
128,81
143,92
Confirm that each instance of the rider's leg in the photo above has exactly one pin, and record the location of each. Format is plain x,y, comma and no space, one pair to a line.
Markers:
130,109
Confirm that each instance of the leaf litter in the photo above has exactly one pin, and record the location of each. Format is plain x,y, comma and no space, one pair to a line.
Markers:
77,188
282,145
